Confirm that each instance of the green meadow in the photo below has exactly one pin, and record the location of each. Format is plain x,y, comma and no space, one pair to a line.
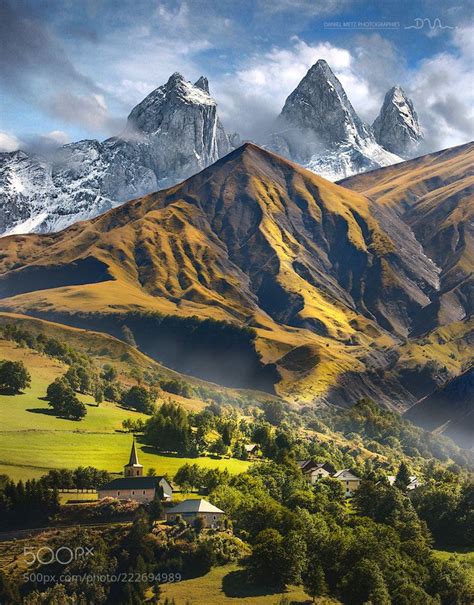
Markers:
33,441
225,585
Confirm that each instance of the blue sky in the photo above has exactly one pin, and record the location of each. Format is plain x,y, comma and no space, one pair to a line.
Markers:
74,69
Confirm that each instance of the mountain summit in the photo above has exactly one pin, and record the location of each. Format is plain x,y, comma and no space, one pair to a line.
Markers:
320,104
319,128
173,133
396,127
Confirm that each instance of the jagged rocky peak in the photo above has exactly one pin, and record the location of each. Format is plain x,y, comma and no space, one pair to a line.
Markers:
173,133
320,104
148,114
396,127
203,84
319,128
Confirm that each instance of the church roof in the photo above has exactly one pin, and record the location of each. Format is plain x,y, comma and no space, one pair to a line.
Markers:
132,483
133,456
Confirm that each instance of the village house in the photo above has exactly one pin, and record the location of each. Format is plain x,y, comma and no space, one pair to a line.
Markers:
350,482
134,486
192,509
414,482
252,449
313,471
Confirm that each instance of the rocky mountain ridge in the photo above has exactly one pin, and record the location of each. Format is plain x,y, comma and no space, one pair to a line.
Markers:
173,133
331,283
319,128
176,132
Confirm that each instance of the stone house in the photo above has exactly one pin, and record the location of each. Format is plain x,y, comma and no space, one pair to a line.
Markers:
190,510
350,482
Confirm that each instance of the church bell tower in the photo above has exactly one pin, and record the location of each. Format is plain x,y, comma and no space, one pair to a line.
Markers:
133,468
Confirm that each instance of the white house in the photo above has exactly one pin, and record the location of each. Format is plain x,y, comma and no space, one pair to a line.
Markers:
414,482
351,482
313,471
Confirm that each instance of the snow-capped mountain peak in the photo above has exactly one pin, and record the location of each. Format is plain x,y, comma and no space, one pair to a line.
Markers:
396,127
320,103
319,127
170,135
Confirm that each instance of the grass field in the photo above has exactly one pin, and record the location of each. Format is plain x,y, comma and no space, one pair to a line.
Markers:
225,585
32,441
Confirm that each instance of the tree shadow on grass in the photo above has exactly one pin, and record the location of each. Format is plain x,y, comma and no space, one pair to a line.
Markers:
235,584
10,392
48,412
148,449
45,411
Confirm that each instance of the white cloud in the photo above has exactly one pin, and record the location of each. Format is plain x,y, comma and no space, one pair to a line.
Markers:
441,86
9,142
252,97
57,136
443,94
89,110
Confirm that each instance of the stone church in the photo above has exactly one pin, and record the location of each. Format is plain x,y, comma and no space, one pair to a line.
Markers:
134,486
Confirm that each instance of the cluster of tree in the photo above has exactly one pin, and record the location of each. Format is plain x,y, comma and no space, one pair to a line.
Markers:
14,377
300,535
388,430
64,401
133,425
448,510
169,430
215,430
84,378
205,392
177,387
192,476
82,477
139,398
50,346
26,504
82,375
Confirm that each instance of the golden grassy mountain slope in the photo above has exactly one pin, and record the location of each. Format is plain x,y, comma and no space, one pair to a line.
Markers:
254,240
434,194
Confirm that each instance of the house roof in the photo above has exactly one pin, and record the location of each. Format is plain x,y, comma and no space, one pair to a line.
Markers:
393,478
309,465
346,475
249,447
194,506
133,483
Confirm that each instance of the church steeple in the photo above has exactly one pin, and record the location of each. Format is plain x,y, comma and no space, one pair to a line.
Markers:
133,468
